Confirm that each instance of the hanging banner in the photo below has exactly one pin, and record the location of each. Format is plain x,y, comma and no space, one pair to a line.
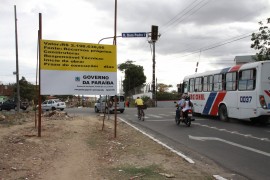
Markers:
77,68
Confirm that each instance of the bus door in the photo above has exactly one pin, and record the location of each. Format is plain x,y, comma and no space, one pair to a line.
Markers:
247,93
265,83
231,103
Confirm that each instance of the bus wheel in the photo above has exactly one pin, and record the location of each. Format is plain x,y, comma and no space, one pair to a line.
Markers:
223,113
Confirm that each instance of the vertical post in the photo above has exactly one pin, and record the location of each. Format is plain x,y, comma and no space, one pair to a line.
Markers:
17,63
154,38
114,43
154,73
156,93
37,73
115,22
39,96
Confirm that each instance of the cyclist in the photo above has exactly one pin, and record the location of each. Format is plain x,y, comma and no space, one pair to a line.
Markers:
139,104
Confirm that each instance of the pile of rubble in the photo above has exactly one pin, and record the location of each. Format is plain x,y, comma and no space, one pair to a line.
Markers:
2,117
56,115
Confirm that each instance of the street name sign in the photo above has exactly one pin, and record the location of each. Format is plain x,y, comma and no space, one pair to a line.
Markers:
134,34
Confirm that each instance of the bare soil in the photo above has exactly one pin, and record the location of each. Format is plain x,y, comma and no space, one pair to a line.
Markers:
78,148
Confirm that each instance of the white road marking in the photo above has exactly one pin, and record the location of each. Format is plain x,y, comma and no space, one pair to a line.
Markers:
164,114
228,142
233,132
145,117
152,115
218,177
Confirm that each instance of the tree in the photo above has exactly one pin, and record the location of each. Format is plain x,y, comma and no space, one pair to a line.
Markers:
261,41
163,87
134,76
27,90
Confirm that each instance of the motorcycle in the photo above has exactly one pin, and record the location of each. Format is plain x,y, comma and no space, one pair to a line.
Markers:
187,116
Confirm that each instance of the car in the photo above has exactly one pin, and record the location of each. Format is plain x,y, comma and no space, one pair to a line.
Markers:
10,104
53,104
100,105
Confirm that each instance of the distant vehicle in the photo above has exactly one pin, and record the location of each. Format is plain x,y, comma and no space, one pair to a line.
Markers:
10,104
241,91
101,104
53,104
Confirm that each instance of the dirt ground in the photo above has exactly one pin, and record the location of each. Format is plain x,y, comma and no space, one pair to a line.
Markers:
77,148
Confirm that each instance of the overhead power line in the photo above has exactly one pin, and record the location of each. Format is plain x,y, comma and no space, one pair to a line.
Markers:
169,22
212,47
183,17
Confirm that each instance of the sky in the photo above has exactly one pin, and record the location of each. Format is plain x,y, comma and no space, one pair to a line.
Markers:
211,32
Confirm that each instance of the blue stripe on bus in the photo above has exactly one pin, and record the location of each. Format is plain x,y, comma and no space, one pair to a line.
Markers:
209,103
225,70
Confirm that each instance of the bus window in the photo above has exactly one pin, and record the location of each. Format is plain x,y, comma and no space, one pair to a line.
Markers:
185,86
210,83
231,79
247,79
207,83
205,80
218,82
191,85
198,84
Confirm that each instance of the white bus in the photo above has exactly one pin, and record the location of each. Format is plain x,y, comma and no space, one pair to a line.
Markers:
241,91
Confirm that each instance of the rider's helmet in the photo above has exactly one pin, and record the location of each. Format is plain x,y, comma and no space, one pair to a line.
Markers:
184,95
187,98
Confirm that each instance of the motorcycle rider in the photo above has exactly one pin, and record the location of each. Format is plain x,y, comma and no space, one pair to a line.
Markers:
186,105
180,105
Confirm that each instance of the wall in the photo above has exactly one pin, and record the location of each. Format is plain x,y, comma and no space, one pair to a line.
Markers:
166,104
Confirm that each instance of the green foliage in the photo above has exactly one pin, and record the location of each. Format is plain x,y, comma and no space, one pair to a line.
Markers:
261,41
146,172
134,76
126,65
145,98
27,90
163,87
167,96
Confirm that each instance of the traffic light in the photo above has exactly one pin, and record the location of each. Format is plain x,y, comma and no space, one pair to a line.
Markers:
154,33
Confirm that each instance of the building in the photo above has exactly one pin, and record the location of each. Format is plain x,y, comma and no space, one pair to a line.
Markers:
244,59
5,92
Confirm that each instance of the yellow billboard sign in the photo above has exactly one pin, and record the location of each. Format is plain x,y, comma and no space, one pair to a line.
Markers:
77,68
75,56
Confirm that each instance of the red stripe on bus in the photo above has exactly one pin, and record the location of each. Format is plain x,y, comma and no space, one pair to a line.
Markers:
219,98
235,68
267,92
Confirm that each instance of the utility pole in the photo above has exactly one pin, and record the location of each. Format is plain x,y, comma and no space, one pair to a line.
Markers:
17,64
154,37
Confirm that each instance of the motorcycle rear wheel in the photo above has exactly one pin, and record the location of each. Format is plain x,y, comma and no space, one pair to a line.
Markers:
187,121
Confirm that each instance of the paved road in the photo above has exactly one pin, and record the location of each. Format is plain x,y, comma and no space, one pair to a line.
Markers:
240,146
